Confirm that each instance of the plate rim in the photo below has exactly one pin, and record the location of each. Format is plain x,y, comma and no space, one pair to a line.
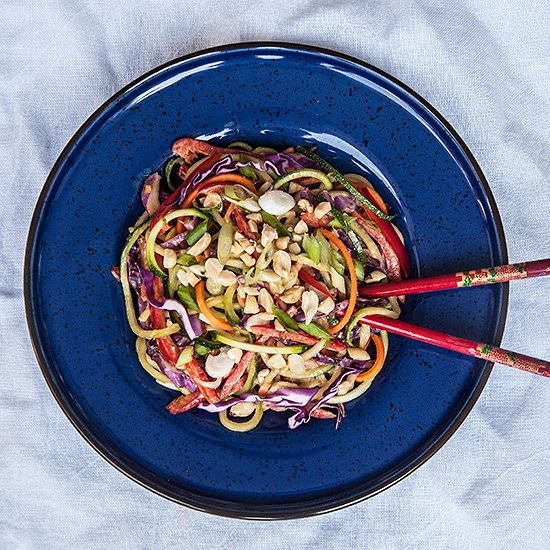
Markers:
218,507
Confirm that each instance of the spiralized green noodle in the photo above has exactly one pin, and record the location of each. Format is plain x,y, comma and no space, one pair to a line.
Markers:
242,426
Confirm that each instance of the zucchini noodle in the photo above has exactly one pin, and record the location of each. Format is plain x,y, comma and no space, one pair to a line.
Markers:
242,426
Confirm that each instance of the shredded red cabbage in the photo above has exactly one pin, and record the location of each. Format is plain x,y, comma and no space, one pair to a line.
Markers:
307,195
341,200
304,414
175,241
191,323
340,308
298,400
177,377
150,193
280,163
349,245
287,398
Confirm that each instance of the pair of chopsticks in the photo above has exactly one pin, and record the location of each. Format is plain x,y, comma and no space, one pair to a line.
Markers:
466,279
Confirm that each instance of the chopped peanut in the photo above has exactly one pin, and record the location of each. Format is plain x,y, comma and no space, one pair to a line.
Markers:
296,364
254,217
211,200
305,205
227,278
242,409
268,235
281,243
213,268
236,249
247,259
301,228
326,306
358,354
262,375
295,187
294,248
322,209
276,361
170,258
251,290
259,319
201,245
269,276
281,263
292,295
251,304
265,300
310,303
235,354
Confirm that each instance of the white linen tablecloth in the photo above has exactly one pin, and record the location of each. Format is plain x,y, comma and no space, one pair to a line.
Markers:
483,64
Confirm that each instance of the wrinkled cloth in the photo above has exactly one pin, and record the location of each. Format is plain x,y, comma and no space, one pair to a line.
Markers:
485,65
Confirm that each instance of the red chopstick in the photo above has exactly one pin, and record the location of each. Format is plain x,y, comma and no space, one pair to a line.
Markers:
463,279
462,345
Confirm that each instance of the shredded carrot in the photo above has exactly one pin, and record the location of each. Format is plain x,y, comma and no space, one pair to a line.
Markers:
229,211
377,199
236,178
192,195
165,228
179,226
207,312
378,363
352,276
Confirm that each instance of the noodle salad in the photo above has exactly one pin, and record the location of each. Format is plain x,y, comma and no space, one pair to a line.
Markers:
241,279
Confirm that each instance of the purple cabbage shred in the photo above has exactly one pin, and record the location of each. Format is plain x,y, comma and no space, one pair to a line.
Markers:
170,304
177,377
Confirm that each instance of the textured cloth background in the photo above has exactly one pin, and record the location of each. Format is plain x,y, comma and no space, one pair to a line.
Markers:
483,64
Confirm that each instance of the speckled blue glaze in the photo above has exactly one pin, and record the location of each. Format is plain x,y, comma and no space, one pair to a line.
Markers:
361,120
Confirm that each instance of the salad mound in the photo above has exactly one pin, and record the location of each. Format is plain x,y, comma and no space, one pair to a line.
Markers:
241,280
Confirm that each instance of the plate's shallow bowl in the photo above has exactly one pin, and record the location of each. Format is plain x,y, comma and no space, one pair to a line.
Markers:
276,94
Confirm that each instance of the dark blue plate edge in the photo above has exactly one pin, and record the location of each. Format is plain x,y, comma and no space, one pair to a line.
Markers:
235,509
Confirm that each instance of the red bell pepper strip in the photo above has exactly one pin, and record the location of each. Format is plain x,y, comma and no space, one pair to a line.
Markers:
197,374
265,330
392,262
183,169
235,380
115,272
172,199
278,302
167,348
307,277
242,224
185,402
388,232
322,413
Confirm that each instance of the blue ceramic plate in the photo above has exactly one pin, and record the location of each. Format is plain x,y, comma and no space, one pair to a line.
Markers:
268,94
